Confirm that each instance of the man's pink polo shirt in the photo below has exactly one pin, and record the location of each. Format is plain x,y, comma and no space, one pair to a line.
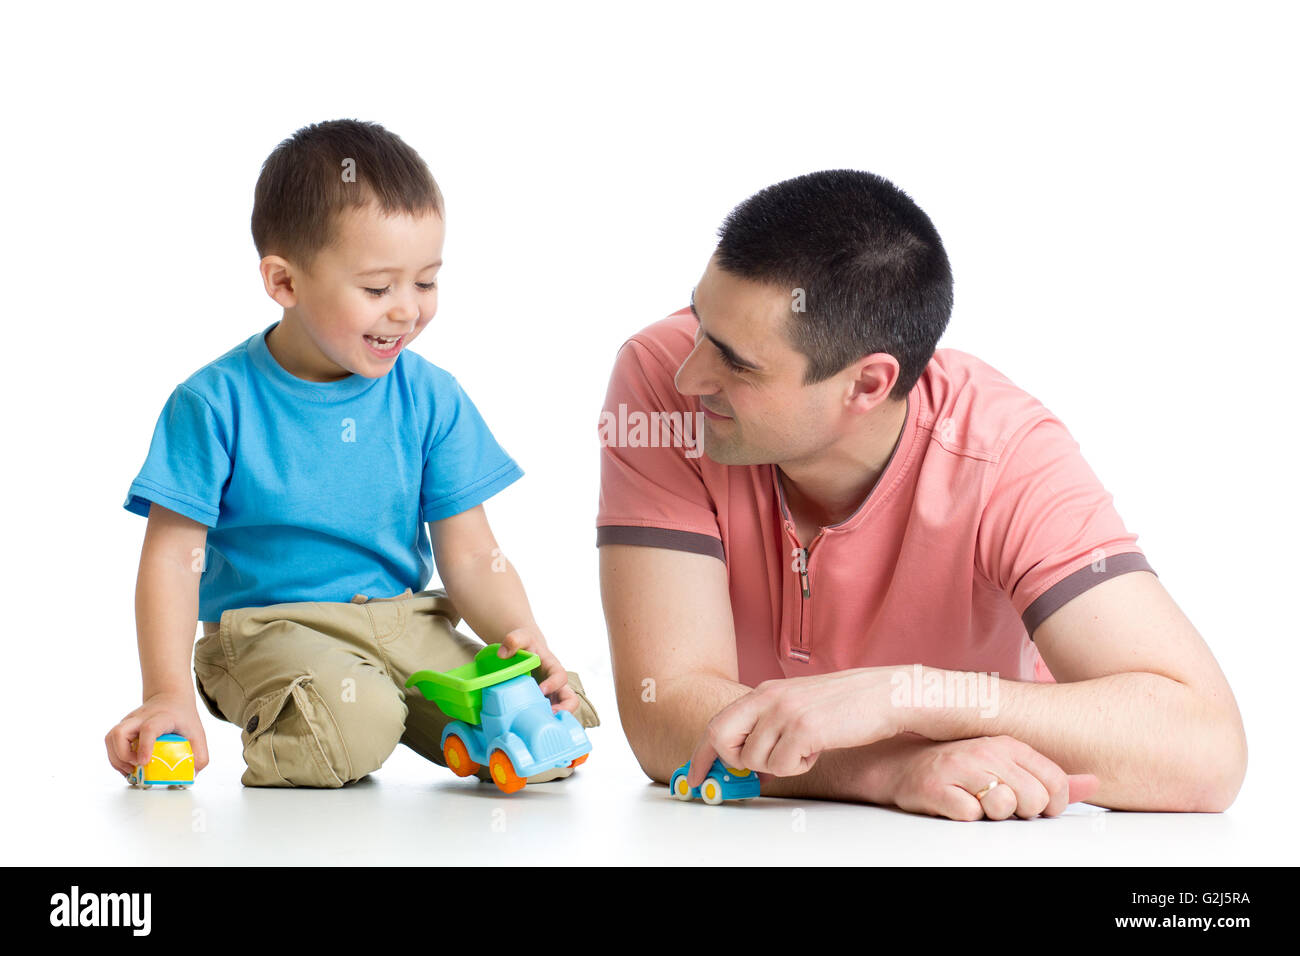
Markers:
985,520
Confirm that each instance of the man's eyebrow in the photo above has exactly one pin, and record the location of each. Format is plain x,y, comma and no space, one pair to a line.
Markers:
388,269
723,347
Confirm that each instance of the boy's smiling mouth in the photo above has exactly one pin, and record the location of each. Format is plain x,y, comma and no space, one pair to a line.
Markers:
385,347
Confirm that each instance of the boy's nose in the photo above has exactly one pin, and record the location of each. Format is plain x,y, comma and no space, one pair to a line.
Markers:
406,312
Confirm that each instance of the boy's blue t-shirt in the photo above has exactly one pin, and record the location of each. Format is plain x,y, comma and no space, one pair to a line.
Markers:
316,491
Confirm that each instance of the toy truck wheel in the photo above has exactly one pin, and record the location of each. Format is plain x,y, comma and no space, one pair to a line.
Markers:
503,773
456,754
681,789
711,791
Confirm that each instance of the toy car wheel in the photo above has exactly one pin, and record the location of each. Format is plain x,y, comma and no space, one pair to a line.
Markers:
577,760
456,754
503,773
711,791
681,789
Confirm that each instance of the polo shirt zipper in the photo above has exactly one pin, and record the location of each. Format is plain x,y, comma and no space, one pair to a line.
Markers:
800,651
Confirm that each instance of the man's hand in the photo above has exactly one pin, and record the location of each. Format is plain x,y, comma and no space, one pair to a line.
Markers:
130,742
781,726
952,779
555,682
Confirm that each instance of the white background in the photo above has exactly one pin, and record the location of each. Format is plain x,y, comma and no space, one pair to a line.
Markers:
1114,183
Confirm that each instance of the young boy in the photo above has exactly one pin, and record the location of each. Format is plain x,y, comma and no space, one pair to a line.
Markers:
291,478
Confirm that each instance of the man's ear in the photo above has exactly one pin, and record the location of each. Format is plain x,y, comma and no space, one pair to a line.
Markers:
871,380
280,280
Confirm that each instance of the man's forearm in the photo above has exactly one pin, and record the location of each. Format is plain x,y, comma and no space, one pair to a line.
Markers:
666,721
1152,742
663,720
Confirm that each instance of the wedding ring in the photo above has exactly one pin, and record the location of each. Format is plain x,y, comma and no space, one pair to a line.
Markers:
992,783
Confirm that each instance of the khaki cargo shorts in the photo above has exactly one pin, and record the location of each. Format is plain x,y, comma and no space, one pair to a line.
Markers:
319,687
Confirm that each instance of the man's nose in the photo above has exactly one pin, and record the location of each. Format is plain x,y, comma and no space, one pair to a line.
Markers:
693,377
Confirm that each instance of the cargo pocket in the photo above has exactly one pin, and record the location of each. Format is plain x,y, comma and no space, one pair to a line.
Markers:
291,740
212,681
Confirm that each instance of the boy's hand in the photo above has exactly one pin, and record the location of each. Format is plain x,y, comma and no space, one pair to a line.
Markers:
555,682
130,743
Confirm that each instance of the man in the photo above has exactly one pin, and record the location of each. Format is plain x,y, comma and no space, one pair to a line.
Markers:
850,589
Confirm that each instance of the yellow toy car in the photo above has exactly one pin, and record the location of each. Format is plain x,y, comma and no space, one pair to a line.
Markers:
172,765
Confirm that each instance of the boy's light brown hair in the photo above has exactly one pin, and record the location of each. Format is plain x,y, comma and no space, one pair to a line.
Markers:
326,168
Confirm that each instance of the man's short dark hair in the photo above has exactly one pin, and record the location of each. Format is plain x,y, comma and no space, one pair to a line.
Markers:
325,168
870,264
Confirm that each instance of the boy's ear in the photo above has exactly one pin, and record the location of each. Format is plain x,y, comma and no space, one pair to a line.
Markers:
279,280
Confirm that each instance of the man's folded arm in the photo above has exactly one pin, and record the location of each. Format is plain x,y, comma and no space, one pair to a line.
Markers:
1139,699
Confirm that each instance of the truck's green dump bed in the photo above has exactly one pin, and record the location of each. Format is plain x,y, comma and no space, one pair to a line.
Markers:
459,693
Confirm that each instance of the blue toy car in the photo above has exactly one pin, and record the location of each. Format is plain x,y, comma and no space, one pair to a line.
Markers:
502,720
722,783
